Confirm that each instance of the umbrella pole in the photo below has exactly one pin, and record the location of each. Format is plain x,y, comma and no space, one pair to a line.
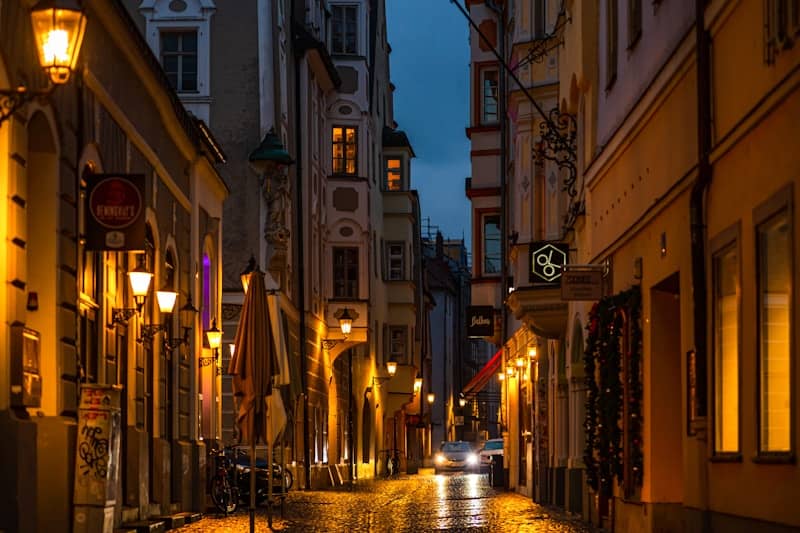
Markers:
269,466
252,484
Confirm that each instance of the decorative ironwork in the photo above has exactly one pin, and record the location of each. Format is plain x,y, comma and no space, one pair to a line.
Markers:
231,312
558,144
328,344
150,330
121,315
176,342
206,361
12,100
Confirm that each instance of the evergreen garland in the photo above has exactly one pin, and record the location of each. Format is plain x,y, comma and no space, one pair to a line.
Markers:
604,452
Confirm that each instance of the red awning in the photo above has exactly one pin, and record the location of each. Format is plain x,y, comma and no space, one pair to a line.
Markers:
484,375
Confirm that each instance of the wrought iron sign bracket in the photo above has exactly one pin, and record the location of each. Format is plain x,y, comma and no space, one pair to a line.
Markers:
121,315
149,331
558,142
12,100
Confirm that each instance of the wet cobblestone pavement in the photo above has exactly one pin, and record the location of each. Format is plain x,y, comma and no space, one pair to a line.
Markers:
418,503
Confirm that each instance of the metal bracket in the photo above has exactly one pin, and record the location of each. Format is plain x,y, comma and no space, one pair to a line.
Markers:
12,100
121,315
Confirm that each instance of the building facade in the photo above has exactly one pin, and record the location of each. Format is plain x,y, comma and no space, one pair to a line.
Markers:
660,391
337,230
74,329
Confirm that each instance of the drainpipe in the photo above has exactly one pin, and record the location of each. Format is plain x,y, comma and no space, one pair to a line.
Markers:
697,220
301,275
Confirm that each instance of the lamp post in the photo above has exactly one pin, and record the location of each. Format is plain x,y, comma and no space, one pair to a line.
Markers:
58,28
214,337
140,285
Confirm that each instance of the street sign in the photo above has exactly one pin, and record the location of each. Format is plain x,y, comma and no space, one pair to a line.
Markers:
546,260
583,282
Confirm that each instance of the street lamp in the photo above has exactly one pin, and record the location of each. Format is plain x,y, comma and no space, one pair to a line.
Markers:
346,323
214,336
166,303
58,28
391,367
187,312
431,398
140,285
462,401
417,383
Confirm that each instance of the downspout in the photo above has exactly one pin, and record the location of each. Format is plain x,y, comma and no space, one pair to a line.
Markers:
697,221
301,274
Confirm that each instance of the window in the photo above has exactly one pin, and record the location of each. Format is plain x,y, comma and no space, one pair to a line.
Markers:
489,92
782,24
726,350
179,59
634,22
344,150
394,180
345,272
611,42
539,19
395,262
397,344
344,38
491,245
774,256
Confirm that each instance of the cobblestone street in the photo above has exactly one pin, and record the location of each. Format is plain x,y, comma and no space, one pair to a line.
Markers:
411,503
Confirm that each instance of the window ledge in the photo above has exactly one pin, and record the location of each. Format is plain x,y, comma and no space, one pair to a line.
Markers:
726,458
775,459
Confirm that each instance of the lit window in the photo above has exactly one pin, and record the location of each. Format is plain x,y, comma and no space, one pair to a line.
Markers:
344,150
395,260
489,92
394,180
774,326
491,245
179,59
345,272
726,351
344,38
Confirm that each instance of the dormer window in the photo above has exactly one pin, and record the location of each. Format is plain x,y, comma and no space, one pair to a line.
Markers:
179,59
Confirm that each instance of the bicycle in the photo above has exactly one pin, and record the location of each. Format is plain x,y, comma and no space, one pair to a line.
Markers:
223,490
392,464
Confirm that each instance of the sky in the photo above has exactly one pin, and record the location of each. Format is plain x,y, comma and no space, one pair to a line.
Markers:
430,68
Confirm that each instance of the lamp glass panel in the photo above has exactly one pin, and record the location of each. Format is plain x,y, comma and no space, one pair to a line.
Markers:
431,397
214,338
59,34
391,367
166,300
140,282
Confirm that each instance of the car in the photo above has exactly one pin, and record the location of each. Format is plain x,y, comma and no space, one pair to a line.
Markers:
456,456
492,450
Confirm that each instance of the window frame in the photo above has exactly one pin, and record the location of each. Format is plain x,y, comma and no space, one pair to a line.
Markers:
389,257
399,356
635,22
345,160
777,205
726,241
347,282
344,7
482,99
612,42
482,229
399,171
539,19
180,54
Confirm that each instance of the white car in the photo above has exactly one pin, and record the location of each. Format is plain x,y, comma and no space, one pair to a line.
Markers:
456,455
492,449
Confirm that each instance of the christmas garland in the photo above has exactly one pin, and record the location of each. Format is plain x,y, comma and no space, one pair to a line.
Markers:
604,452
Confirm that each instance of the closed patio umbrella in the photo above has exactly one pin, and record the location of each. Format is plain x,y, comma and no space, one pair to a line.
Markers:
252,367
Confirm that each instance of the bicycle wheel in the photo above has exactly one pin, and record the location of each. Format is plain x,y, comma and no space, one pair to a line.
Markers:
223,495
288,480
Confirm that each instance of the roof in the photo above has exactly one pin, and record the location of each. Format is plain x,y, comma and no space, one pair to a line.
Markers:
397,139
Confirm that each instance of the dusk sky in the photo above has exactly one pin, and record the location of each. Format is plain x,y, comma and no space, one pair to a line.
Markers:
430,67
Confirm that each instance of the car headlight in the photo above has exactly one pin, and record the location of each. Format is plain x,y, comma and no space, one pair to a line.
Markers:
439,459
472,459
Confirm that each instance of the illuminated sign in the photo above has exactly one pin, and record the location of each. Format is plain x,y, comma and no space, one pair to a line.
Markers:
546,262
480,321
115,212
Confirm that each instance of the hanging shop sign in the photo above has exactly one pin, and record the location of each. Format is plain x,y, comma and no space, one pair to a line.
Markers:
115,218
546,262
480,321
582,282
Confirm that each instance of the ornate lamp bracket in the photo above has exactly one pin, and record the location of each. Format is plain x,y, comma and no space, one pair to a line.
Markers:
558,144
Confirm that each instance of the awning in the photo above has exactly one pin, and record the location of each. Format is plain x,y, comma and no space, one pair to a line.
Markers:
477,383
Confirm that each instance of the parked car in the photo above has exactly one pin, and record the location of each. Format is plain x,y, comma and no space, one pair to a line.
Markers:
456,455
492,450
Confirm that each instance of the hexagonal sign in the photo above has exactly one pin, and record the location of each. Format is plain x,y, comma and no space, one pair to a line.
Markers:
547,258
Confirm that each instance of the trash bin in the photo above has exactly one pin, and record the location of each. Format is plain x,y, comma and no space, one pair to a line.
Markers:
496,471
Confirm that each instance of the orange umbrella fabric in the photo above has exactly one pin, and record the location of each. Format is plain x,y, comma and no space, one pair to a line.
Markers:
253,363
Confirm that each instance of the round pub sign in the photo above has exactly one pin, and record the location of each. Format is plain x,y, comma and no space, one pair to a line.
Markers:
115,203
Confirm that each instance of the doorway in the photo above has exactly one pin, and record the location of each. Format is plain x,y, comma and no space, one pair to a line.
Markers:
665,417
